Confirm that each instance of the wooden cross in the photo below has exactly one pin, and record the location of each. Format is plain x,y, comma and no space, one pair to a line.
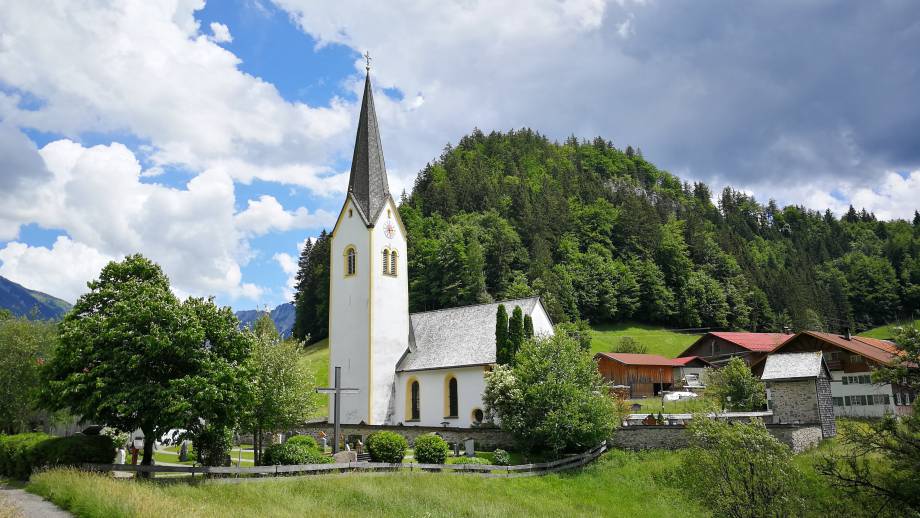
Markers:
337,390
367,61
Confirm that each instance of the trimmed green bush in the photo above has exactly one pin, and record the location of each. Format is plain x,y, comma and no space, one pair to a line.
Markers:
467,460
22,454
288,454
16,452
387,447
501,457
431,449
73,450
304,440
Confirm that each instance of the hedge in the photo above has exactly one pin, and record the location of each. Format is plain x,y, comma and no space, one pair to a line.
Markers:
387,447
289,454
22,454
304,440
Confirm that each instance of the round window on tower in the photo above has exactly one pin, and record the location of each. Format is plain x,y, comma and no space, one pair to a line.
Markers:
478,416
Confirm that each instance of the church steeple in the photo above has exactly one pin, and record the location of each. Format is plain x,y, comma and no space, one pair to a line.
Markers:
368,179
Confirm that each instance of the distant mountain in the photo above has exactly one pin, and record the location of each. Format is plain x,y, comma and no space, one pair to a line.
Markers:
282,316
23,302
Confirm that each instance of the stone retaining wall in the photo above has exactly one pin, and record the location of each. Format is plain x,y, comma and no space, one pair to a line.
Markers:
486,438
798,437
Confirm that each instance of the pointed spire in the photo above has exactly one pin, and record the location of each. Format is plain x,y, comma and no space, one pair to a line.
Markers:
368,180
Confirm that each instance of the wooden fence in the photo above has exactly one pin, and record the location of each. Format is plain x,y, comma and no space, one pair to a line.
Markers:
486,470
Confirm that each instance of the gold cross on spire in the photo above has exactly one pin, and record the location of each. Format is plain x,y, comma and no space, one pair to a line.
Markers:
367,61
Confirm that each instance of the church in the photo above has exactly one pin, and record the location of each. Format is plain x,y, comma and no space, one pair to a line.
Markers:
421,369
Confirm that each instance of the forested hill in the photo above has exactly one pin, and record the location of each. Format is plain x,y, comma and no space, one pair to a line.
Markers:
602,234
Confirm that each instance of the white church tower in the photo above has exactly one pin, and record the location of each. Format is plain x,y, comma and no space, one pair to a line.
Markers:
368,285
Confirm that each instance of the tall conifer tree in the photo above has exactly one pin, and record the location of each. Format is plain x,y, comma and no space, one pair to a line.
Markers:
501,336
515,332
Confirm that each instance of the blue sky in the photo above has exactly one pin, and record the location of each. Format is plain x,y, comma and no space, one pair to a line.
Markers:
215,137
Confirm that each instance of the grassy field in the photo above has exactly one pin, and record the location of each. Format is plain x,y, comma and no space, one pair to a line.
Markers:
887,332
316,357
658,340
618,484
687,406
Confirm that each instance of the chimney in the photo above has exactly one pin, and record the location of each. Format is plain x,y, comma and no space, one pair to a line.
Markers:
846,333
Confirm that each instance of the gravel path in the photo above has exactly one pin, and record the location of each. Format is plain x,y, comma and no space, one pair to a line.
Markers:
32,506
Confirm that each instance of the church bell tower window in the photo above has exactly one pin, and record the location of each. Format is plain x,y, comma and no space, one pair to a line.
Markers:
393,263
386,261
351,261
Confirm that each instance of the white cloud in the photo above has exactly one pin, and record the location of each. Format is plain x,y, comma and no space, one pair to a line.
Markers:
220,33
288,265
96,196
144,67
62,270
266,214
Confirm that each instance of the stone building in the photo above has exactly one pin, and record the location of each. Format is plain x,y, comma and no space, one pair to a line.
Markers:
851,360
799,390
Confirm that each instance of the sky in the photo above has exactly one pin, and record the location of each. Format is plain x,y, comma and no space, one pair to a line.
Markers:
215,138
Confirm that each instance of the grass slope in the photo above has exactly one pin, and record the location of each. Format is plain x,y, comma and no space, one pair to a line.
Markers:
618,484
669,344
316,358
888,332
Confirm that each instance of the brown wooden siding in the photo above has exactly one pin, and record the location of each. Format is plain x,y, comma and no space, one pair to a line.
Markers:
717,350
640,378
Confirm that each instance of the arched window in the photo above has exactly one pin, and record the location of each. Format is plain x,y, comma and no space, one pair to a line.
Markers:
477,415
351,261
415,411
453,399
386,261
393,263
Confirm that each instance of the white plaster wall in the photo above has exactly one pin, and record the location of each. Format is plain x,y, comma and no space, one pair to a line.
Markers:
432,386
348,316
542,326
838,389
389,314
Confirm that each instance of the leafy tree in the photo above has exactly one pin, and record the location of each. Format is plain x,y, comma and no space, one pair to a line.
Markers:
516,331
266,329
628,344
161,364
740,470
553,399
24,346
703,302
879,461
282,388
735,387
502,345
579,331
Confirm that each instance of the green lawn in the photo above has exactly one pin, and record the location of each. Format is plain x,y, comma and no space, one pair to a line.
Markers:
669,344
887,332
687,406
618,484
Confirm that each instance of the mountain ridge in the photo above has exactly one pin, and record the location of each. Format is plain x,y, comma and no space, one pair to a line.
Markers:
25,302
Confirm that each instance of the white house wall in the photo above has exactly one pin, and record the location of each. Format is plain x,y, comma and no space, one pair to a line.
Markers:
349,315
432,397
839,390
542,325
390,312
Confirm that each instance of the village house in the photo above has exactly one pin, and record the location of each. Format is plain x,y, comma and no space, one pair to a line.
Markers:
421,369
718,348
647,375
851,360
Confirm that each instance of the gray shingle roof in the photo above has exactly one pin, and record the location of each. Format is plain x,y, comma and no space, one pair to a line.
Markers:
793,366
368,179
457,336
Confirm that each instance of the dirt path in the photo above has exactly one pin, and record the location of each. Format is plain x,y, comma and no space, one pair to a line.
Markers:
28,505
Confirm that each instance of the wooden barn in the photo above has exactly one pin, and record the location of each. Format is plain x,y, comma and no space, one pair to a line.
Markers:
719,347
646,375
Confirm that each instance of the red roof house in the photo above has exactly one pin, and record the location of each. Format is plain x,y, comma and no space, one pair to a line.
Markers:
719,347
